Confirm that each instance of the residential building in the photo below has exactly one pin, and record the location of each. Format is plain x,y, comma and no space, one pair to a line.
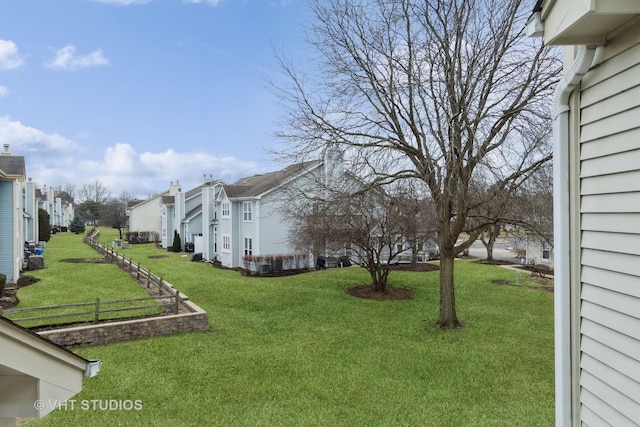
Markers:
36,375
247,218
225,222
60,209
597,207
12,214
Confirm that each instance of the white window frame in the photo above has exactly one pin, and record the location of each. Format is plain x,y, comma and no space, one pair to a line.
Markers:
226,243
546,250
247,212
248,246
226,209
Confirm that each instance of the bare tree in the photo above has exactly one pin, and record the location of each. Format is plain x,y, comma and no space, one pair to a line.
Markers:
368,226
113,211
68,192
441,91
94,191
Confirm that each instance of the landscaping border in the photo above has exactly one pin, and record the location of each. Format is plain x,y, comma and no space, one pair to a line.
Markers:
126,330
190,318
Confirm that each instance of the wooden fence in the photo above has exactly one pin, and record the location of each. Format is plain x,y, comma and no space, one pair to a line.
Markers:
143,276
158,289
95,309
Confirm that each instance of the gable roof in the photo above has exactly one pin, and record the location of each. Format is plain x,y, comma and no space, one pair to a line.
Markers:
32,339
12,166
257,185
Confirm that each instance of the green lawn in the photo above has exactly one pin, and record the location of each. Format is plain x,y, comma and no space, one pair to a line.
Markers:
298,351
64,282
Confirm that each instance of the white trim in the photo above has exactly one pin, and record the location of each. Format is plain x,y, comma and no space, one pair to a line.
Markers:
562,234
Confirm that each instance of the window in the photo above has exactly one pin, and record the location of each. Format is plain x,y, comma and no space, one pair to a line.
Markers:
400,248
246,210
248,246
226,243
226,209
546,252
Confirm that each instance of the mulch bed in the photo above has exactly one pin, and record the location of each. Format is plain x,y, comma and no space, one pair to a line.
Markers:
9,298
390,293
421,266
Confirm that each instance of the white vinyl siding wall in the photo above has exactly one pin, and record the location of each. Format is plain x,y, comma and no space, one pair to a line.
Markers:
610,238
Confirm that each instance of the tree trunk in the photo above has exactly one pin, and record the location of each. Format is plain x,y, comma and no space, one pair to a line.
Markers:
448,317
489,251
488,238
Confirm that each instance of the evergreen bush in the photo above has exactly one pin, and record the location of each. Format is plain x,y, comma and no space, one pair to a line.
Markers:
177,244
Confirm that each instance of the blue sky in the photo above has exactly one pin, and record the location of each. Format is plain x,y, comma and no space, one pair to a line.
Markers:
138,93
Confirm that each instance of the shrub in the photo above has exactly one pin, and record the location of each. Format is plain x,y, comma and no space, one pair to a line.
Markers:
77,225
44,227
3,281
177,244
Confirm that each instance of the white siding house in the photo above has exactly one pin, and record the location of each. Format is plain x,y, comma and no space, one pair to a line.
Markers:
597,202
146,215
36,375
245,218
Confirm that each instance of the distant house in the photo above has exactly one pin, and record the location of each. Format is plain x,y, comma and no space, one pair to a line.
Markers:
597,209
36,375
245,218
224,221
60,209
12,214
539,251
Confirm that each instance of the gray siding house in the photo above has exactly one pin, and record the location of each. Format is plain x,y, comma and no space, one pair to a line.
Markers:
597,209
247,219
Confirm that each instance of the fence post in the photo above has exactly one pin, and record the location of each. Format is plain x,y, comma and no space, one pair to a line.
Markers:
160,287
177,304
97,314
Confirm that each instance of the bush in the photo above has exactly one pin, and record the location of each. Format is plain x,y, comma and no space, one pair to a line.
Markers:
44,227
177,244
77,225
3,281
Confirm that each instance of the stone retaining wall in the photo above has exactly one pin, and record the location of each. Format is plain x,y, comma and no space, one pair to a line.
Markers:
105,333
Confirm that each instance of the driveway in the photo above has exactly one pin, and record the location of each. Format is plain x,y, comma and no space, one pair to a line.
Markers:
501,250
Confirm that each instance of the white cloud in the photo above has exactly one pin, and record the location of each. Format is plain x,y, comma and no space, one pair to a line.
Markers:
10,58
122,2
26,139
209,2
3,91
123,169
66,59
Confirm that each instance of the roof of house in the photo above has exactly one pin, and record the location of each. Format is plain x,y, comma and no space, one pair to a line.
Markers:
259,184
38,337
193,192
12,166
193,212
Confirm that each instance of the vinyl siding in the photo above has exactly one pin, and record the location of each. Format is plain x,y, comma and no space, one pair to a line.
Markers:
6,230
274,229
610,238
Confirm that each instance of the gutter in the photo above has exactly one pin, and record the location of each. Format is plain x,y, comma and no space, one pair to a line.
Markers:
562,235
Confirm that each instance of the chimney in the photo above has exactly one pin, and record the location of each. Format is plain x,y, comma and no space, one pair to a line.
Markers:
6,151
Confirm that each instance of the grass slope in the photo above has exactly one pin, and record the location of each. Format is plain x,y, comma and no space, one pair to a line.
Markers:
299,351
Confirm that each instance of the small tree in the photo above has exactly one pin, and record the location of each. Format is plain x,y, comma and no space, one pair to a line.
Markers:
177,244
44,225
77,225
370,226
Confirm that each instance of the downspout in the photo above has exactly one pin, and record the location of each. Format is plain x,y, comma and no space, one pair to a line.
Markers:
562,234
